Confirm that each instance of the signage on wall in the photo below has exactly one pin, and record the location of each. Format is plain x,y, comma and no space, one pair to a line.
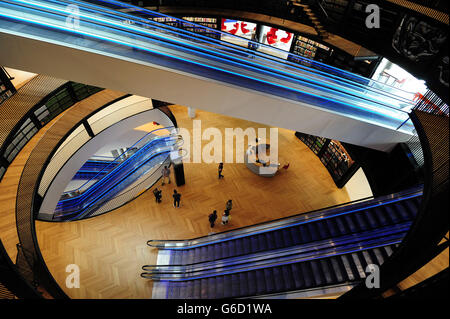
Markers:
240,28
276,38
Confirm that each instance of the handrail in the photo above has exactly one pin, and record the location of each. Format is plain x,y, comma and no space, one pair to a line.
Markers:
263,55
312,255
313,246
132,8
92,202
323,213
372,101
123,154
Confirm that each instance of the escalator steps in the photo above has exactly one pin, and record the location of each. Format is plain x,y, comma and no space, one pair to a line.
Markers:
327,271
286,234
317,273
288,277
269,279
374,223
227,287
243,282
308,276
337,270
340,224
313,231
211,287
260,282
297,276
235,285
251,283
350,224
381,216
361,221
359,268
278,239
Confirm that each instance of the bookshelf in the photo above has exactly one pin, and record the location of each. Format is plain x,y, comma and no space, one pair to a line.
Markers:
309,49
206,22
203,21
333,156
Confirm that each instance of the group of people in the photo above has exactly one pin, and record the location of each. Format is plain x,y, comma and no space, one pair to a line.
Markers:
225,217
177,198
158,192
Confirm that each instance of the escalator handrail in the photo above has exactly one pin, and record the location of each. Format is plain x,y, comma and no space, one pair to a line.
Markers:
122,154
323,213
372,100
73,201
286,251
257,53
331,252
154,13
94,201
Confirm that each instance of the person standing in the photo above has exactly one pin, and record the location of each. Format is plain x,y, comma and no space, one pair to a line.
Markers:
220,170
157,192
212,218
166,174
225,217
229,205
176,198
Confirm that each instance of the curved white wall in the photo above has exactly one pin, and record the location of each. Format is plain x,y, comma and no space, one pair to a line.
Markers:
80,156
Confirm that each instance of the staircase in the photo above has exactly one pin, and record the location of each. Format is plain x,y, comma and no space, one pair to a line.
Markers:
312,18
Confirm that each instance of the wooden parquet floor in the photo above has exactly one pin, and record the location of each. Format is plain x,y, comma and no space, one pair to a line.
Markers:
111,249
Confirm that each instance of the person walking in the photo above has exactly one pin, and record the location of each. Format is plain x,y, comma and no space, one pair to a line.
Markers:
212,218
158,195
165,174
229,205
225,217
176,198
220,170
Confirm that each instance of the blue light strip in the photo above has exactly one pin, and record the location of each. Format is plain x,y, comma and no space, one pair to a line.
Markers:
333,242
212,67
124,179
239,49
226,57
282,264
108,177
158,14
114,162
291,225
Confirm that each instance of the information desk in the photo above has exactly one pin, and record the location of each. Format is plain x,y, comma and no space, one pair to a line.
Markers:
258,165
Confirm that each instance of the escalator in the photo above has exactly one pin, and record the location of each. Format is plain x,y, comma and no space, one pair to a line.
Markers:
93,169
319,249
117,175
335,94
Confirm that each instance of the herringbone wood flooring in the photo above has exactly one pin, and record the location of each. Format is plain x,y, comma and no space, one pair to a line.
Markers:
110,249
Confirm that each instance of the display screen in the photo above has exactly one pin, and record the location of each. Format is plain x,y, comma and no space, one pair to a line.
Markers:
275,38
240,28
243,29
